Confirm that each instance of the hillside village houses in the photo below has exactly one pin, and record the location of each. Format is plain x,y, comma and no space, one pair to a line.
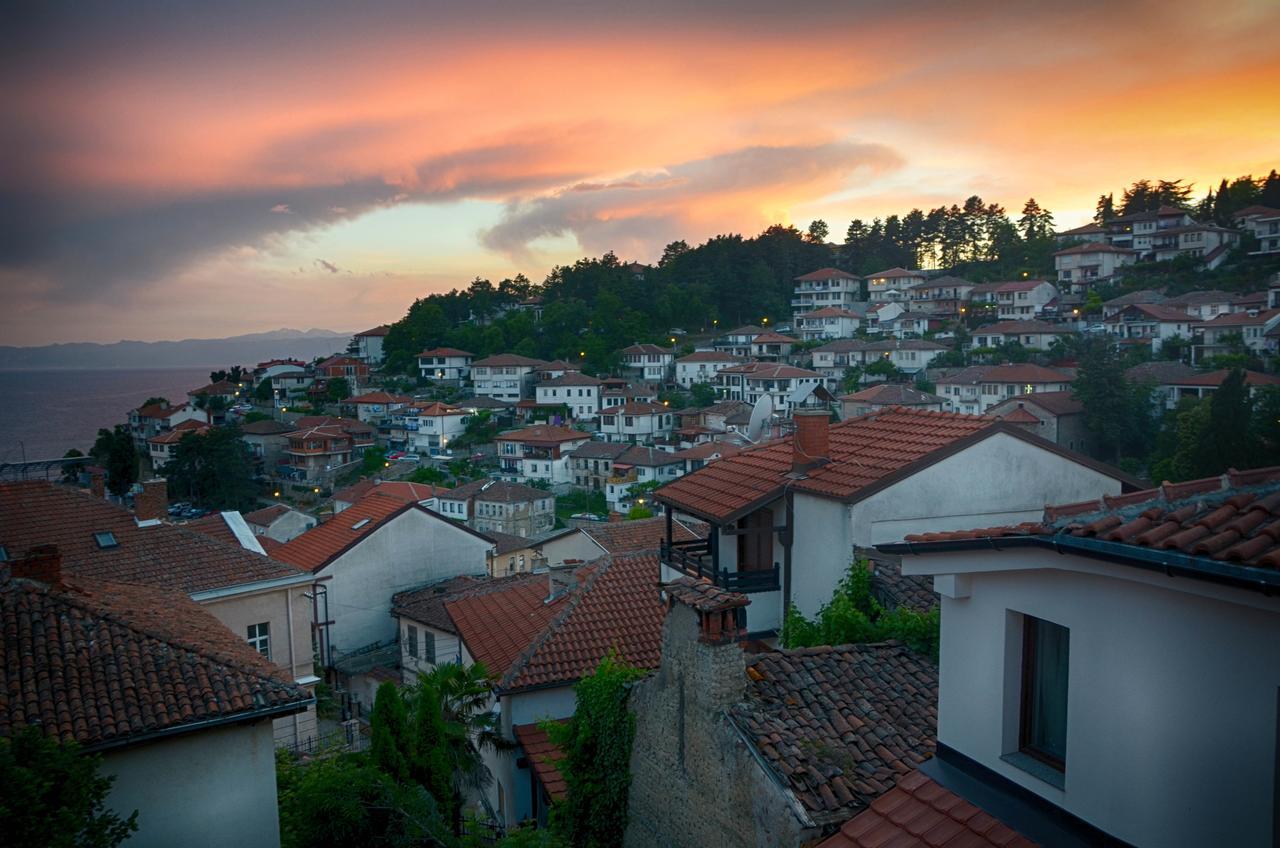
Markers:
578,392
636,422
1035,335
1264,224
829,322
505,377
639,465
373,406
975,389
648,362
368,344
892,284
786,385
1084,265
540,452
826,288
499,506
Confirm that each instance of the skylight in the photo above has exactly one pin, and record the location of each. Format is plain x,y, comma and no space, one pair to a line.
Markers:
362,522
105,539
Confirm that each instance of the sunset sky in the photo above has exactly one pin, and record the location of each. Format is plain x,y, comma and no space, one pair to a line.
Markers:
172,170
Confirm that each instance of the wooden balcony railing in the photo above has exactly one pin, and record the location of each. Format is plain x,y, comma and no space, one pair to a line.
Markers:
694,559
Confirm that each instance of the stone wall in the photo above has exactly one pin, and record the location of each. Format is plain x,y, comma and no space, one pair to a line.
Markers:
694,781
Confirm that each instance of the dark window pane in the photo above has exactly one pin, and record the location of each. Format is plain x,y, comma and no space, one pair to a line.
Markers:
1044,691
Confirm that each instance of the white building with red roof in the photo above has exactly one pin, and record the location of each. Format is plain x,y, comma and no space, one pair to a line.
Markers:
1034,335
1153,323
638,422
369,344
445,365
1254,328
830,322
976,389
1021,300
649,362
1084,265
772,347
540,452
434,425
825,288
753,380
505,376
787,516
577,392
892,284
702,366
375,406
160,448
1263,223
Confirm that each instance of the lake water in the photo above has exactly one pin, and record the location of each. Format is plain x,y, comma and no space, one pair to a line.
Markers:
47,412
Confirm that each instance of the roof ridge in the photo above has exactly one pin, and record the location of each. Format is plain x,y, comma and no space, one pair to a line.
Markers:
575,597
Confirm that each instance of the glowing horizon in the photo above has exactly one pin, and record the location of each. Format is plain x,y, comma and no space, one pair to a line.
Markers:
233,170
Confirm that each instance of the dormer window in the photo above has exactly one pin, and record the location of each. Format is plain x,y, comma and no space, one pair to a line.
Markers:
106,539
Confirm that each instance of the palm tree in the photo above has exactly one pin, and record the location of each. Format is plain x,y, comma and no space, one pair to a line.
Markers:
453,726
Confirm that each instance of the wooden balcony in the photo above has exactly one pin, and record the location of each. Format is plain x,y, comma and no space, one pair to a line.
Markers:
694,559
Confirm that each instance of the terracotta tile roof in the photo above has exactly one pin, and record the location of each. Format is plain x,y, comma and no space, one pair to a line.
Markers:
945,282
325,542
894,394
920,812
1019,285
346,425
709,356
708,450
771,337
1143,296
826,274
544,756
864,451
636,407
1239,319
495,491
1022,327
265,428
903,344
617,608
1164,373
1087,228
101,663
435,409
895,273
507,360
649,457
214,526
543,434
505,543
894,589
830,312
1250,211
599,450
1158,312
841,346
1056,403
1215,378
571,378
703,596
426,605
380,330
746,330
1233,518
645,349
1018,415
642,535
37,513
1200,298
445,351
840,725
1023,373
179,430
500,624
380,397
1093,247
222,387
769,371
355,491
267,516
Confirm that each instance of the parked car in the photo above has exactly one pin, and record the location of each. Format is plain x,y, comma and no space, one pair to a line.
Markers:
1095,328
396,455
588,516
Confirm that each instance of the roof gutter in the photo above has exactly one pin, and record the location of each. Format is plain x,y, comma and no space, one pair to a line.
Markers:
302,578
178,730
1169,563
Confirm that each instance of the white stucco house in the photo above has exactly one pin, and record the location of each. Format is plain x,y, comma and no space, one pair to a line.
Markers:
648,362
701,366
1085,265
637,422
1110,656
1034,335
1152,323
506,376
445,364
540,452
379,546
786,518
573,389
976,389
434,426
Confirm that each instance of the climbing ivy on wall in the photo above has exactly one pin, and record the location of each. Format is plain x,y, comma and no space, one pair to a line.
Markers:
597,757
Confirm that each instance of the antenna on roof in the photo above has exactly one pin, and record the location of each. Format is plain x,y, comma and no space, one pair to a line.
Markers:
760,415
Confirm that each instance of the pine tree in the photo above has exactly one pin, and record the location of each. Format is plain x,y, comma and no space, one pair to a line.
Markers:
389,733
1270,194
1105,210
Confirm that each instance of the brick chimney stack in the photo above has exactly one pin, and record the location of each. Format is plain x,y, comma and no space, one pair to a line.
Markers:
42,563
153,501
809,445
98,483
721,613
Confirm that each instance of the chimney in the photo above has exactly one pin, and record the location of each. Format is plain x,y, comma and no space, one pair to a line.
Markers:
42,563
721,614
560,582
809,445
152,503
98,483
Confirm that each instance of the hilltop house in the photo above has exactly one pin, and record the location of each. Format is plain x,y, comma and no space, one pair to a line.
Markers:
369,344
648,362
830,322
314,453
506,377
786,517
942,297
445,365
1079,645
354,371
1264,224
1089,264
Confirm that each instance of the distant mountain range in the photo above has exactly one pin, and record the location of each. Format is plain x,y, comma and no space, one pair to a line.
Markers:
244,350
